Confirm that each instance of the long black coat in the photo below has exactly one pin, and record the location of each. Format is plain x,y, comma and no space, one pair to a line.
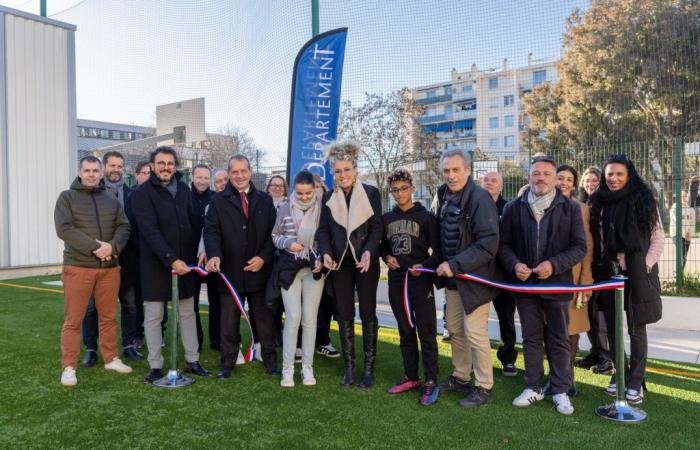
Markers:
129,257
560,234
229,236
165,235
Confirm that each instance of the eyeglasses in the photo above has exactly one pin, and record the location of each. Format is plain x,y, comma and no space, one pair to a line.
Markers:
401,189
165,164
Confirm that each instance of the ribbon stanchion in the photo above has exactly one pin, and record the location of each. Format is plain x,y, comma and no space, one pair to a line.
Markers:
174,379
250,353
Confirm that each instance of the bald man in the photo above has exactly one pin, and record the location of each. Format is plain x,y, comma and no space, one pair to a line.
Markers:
504,303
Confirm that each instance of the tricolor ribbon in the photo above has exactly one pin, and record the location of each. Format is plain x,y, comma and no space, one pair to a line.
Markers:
250,353
520,288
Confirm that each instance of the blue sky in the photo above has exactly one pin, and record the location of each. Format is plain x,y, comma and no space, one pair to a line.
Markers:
134,54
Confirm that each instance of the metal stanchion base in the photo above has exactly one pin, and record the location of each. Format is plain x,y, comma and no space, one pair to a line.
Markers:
174,379
621,411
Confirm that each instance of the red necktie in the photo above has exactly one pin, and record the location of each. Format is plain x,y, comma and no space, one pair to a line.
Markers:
244,202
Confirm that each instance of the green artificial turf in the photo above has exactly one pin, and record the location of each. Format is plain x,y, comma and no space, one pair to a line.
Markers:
251,410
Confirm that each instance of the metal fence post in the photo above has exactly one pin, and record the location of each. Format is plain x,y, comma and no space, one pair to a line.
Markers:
677,187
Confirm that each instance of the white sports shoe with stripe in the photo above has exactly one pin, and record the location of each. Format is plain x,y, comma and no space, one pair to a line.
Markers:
527,398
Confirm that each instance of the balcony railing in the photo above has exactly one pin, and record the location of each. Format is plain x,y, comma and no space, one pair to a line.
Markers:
432,119
436,99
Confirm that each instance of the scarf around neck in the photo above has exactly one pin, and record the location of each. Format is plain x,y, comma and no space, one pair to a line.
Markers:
615,212
538,204
116,188
306,217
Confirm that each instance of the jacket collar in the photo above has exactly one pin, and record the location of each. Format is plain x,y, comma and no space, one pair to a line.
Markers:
466,192
230,191
558,198
77,185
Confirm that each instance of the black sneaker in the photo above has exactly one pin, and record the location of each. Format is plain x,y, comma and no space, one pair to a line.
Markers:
604,368
153,375
477,397
328,351
587,362
454,384
509,370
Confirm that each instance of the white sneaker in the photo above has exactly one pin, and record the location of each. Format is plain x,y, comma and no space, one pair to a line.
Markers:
118,366
258,352
298,355
563,404
287,377
527,398
240,359
68,377
307,375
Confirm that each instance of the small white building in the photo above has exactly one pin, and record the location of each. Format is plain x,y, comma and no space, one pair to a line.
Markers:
37,134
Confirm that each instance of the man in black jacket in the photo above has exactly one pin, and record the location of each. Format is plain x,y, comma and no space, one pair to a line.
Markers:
163,209
238,241
469,237
504,302
201,196
542,238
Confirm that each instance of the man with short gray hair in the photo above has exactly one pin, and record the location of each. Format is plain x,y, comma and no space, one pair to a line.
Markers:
469,238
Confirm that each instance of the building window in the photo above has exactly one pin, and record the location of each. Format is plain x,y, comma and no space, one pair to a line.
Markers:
469,146
432,111
448,90
467,88
83,132
509,158
430,94
539,77
493,102
447,109
508,100
493,122
508,141
493,143
493,83
508,121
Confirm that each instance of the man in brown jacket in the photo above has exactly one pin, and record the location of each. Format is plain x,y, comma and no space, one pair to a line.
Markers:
92,224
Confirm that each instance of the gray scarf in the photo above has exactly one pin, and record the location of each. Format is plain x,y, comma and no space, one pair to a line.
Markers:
538,204
116,188
305,217
172,186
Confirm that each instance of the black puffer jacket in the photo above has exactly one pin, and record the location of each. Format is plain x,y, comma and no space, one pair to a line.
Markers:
477,243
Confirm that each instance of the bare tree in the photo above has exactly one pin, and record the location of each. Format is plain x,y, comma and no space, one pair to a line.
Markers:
229,141
385,128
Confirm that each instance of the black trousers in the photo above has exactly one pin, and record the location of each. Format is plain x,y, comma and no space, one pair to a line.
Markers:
597,334
504,304
212,281
686,247
230,328
636,366
534,312
326,310
423,304
129,300
348,278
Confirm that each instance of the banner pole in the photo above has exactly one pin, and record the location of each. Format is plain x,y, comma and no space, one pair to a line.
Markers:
620,410
174,379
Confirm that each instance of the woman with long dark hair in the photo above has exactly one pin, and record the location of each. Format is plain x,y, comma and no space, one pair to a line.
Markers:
348,239
628,236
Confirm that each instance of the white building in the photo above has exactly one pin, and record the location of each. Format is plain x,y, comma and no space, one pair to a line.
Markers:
482,108
37,134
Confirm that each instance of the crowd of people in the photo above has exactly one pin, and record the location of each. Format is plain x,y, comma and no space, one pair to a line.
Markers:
300,255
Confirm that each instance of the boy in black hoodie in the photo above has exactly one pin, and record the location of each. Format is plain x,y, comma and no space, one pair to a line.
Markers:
412,239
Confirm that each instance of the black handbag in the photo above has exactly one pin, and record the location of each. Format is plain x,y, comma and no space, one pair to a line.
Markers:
604,269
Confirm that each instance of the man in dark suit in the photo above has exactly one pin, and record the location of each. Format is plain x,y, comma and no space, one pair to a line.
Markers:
238,242
113,163
162,207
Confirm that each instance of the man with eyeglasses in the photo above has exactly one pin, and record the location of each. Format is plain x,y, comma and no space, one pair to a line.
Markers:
163,210
469,237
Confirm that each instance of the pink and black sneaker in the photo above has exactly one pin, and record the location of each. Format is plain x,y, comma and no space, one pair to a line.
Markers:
404,385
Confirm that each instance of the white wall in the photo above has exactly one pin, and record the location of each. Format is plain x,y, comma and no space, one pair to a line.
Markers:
37,134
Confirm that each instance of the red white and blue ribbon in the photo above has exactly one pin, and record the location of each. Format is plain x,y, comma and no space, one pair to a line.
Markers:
519,288
250,353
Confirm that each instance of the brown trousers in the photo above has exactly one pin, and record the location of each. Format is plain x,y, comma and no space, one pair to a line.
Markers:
78,284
